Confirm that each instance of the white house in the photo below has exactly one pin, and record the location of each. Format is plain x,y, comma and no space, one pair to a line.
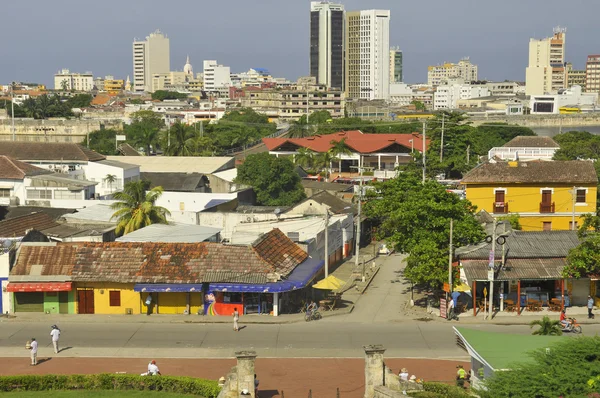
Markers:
447,96
571,98
401,94
105,171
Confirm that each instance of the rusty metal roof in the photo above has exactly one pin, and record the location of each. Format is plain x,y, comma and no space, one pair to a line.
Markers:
516,269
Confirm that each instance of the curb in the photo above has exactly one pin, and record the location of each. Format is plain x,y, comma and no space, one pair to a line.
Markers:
370,280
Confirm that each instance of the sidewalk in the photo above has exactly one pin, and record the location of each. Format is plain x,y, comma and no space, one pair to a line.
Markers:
512,318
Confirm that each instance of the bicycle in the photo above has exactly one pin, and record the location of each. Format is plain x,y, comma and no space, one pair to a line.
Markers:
312,315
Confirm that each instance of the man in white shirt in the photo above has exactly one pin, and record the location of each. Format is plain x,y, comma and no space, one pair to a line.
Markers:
33,352
153,369
55,333
451,314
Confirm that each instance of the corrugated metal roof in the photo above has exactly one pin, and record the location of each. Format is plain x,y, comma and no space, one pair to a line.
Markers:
178,164
171,233
97,212
516,269
116,163
526,244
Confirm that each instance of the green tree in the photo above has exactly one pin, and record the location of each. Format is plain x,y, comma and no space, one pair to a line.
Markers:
569,368
414,218
79,101
514,220
110,179
419,105
136,207
103,141
323,162
274,180
305,158
319,117
584,260
546,327
300,128
161,95
144,129
182,140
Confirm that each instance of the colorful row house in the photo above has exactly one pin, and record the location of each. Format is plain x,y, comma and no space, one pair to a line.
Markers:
547,195
269,276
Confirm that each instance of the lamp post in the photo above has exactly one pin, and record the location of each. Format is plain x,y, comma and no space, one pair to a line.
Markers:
360,192
412,146
12,109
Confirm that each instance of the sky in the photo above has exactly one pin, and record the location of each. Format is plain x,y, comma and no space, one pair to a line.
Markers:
40,37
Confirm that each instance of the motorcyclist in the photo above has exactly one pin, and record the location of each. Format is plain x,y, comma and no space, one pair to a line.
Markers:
312,307
565,323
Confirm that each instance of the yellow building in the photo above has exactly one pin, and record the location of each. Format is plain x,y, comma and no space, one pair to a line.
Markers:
107,298
114,86
547,195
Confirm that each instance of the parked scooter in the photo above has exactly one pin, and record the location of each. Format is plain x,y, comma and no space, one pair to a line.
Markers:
572,327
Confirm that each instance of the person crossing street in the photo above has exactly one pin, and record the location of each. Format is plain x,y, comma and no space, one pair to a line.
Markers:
55,333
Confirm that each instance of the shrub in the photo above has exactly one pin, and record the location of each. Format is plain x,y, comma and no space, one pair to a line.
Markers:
106,381
445,390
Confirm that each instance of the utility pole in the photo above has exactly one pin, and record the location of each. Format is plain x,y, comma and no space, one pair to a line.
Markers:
201,128
360,187
424,149
468,153
574,193
491,273
450,258
12,109
442,139
326,243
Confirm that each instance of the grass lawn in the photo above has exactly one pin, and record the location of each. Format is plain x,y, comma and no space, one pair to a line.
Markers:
92,394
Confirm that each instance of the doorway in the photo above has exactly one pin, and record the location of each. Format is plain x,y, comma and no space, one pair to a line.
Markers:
63,302
86,301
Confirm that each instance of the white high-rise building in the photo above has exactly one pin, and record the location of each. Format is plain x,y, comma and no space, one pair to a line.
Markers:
327,43
441,74
66,80
150,57
367,43
216,77
546,73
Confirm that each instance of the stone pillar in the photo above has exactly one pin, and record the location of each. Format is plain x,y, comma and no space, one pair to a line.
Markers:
245,371
275,304
374,374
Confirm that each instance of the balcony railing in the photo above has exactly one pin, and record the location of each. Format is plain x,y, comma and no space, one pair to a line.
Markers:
547,207
500,207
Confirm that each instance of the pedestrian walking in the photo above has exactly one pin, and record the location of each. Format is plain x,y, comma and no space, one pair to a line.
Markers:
451,314
148,303
33,349
590,305
55,333
236,318
461,375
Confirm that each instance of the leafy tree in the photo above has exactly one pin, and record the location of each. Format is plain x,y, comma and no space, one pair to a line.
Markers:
323,162
144,129
547,327
103,141
305,158
514,220
584,260
339,148
274,180
415,219
577,145
300,129
182,140
161,95
570,368
136,207
79,101
319,117
419,105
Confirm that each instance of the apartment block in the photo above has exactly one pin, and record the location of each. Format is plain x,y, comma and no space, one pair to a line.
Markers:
327,43
150,57
66,80
440,74
396,65
546,72
592,74
216,77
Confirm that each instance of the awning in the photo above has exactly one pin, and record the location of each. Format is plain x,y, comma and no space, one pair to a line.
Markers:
39,287
516,269
167,287
301,276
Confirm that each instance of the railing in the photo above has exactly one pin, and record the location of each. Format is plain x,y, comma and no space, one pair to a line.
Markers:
547,207
500,207
507,153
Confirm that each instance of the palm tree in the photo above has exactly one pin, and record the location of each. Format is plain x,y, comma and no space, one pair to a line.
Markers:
300,129
136,207
304,158
339,148
181,140
324,160
548,327
110,179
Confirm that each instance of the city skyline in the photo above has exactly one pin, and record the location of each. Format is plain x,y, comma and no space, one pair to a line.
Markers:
241,35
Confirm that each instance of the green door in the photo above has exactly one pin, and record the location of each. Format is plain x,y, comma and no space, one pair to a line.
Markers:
29,302
63,302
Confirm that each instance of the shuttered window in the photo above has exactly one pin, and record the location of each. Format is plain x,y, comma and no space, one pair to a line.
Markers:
115,298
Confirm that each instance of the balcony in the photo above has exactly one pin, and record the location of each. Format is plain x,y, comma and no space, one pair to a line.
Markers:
500,207
547,207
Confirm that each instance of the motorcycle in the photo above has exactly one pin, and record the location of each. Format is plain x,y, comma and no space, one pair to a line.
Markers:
573,326
312,314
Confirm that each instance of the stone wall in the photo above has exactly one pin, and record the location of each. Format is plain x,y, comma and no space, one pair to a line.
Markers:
581,119
240,377
54,130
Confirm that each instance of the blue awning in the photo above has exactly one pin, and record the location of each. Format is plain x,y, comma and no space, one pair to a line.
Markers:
301,276
167,287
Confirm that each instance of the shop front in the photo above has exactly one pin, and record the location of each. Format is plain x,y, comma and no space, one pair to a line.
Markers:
46,297
266,298
172,298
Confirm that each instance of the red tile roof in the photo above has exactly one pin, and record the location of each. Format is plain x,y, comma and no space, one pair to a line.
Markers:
12,169
153,262
356,140
18,226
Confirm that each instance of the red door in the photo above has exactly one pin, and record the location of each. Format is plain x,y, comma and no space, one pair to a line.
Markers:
86,301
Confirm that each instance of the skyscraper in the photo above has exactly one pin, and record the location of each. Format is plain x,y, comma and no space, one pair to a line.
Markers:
327,43
367,43
150,56
396,65
546,71
592,74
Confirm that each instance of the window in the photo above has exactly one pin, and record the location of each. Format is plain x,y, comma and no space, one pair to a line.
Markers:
4,193
547,226
579,198
39,194
67,195
232,297
571,226
114,297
